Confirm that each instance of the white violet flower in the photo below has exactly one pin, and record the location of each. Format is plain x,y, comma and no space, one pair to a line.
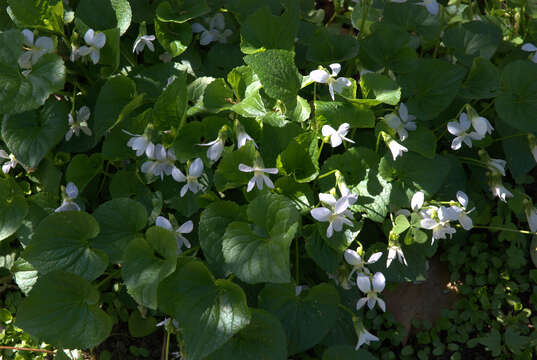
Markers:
498,189
402,123
364,337
355,260
463,218
143,41
69,204
161,162
431,6
217,30
531,216
364,283
334,83
215,149
243,137
10,164
96,41
437,220
336,215
141,144
259,176
497,166
459,129
396,148
394,251
529,47
481,125
417,201
336,136
195,171
186,228
34,51
81,123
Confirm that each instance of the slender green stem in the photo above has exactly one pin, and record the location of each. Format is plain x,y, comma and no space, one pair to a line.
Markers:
106,279
191,250
509,137
500,228
167,344
346,309
297,270
320,150
326,174
474,161
365,4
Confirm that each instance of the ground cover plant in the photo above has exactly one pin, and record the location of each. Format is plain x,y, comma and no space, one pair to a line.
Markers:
260,179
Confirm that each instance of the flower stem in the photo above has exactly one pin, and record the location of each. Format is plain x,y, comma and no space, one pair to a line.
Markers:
326,174
500,228
346,309
509,137
167,344
297,257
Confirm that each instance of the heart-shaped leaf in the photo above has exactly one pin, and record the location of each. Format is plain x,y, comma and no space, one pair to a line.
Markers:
306,319
69,304
259,251
31,135
210,312
63,241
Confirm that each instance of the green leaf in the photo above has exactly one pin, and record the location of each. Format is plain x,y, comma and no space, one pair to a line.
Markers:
31,135
336,113
181,11
516,150
483,81
170,107
325,256
492,342
146,262
401,224
345,352
353,164
63,241
115,94
422,141
418,173
471,39
517,102
414,19
25,275
17,92
121,221
68,304
431,86
387,47
262,30
173,37
516,342
259,251
141,326
82,169
215,96
380,88
105,14
326,47
374,200
210,312
300,158
40,14
227,175
264,338
13,208
212,226
305,319
278,74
